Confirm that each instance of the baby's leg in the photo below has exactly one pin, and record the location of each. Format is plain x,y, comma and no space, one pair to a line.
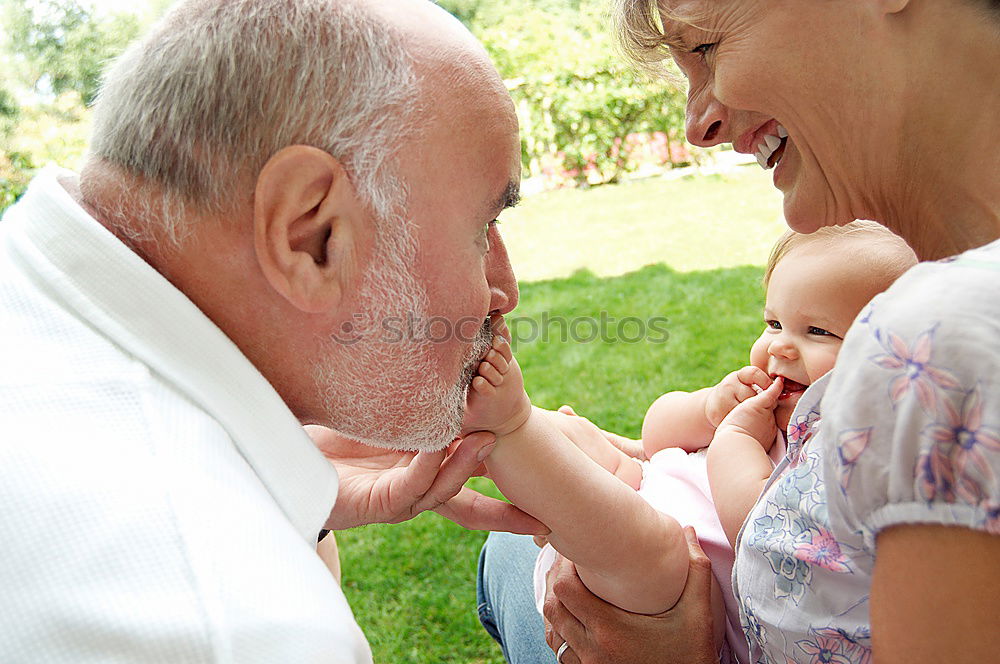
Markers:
499,385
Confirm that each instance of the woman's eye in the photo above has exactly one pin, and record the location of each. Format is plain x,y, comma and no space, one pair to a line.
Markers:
702,49
773,324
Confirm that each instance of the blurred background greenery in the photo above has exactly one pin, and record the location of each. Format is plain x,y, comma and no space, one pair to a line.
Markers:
586,118
622,219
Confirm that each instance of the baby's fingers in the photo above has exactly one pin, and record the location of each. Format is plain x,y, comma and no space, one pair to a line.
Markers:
751,376
768,399
743,392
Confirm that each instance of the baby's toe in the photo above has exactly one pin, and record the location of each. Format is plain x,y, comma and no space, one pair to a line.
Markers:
490,373
499,362
481,386
501,346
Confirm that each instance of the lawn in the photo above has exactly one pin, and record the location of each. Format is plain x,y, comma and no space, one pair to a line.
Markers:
684,251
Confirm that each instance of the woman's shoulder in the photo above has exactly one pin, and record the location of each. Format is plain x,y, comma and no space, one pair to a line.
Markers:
912,412
961,292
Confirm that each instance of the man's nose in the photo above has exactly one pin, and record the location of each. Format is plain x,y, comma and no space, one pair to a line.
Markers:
500,276
707,119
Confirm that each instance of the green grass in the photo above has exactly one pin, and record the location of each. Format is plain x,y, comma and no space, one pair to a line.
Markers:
412,585
692,223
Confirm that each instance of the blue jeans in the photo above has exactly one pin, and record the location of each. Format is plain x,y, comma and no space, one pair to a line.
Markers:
506,599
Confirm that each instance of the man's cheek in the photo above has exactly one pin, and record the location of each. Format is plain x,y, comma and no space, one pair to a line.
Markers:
468,329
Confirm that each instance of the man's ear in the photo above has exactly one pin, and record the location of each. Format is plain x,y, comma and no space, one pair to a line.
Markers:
307,221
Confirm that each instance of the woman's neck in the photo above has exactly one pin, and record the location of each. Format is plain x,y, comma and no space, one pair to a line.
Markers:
946,196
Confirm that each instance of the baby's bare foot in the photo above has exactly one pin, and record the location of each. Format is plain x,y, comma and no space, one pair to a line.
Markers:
497,401
493,368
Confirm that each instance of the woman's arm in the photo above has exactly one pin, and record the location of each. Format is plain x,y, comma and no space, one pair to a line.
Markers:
935,595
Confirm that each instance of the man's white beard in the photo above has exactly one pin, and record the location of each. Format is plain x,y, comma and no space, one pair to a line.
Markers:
389,393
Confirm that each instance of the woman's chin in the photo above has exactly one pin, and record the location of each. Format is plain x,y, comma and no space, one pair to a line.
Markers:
809,206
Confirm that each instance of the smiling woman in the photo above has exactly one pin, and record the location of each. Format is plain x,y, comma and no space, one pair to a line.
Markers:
885,508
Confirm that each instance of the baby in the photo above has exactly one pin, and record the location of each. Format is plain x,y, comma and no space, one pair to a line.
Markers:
628,545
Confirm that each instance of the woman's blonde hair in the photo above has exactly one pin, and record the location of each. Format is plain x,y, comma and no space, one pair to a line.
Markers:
642,35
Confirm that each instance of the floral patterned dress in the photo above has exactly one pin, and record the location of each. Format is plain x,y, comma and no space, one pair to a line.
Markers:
906,429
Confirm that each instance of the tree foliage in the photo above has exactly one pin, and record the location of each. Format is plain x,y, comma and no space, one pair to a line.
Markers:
15,166
62,46
585,114
55,49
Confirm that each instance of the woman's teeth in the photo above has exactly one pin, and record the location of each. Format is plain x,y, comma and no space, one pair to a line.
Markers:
771,148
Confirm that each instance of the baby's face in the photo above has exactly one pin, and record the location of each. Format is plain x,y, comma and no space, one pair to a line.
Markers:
813,297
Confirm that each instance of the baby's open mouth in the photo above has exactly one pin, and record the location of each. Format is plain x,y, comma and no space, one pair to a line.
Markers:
791,388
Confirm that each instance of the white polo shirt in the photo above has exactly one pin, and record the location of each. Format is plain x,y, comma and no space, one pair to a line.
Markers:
158,500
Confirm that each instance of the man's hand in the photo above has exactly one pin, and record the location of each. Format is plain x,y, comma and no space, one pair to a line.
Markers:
733,390
599,633
386,486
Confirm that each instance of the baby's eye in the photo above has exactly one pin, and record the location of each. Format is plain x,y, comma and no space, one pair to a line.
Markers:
820,331
773,324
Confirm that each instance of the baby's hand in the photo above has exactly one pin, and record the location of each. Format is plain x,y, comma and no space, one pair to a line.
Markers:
754,417
497,401
733,390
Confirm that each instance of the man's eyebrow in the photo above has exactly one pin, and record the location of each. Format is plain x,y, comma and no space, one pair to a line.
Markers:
510,197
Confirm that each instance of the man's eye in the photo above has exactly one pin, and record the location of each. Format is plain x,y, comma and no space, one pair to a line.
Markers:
486,232
820,331
773,324
702,49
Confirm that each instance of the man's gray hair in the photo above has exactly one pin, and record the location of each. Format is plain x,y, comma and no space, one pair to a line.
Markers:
197,107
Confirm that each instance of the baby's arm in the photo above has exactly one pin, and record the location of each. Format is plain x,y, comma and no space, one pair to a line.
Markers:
626,552
738,465
688,419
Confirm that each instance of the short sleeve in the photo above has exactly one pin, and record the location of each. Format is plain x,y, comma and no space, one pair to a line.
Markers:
912,413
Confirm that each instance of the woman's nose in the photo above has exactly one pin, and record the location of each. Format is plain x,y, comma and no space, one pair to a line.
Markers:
706,121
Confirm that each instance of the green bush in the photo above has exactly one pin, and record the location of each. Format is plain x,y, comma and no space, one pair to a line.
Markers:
15,167
15,173
585,114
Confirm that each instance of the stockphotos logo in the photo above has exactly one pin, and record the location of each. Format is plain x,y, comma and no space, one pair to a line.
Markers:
604,327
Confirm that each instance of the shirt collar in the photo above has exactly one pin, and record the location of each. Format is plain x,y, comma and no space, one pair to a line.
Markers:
103,282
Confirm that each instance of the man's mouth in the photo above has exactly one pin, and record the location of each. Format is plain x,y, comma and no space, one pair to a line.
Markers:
771,147
791,388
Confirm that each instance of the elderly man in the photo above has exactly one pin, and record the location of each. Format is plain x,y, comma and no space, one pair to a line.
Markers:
279,195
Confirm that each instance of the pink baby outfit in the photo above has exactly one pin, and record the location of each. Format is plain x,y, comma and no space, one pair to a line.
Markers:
676,483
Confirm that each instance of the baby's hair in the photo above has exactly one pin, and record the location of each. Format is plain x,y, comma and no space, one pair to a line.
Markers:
888,251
